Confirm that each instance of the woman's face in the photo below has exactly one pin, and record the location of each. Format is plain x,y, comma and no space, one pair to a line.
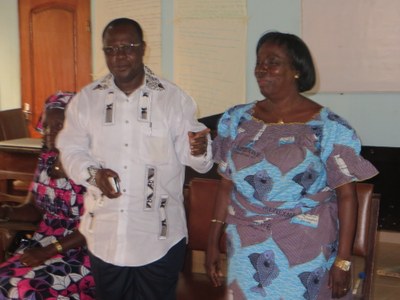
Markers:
274,71
52,124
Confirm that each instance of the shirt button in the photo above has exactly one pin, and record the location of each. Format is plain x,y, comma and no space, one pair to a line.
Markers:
125,167
126,145
127,121
122,210
124,190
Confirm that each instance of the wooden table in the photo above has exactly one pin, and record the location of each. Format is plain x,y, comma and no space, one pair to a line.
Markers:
18,159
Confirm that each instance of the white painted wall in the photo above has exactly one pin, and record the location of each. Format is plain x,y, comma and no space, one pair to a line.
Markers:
373,115
10,87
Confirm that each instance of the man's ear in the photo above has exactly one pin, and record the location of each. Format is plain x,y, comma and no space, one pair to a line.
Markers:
144,47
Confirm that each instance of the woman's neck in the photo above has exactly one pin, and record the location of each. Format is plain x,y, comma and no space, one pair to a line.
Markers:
281,105
299,109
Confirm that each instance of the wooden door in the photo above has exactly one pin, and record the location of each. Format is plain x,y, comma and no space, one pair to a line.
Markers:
55,45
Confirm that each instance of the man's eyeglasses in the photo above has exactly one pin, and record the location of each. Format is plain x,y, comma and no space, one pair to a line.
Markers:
124,49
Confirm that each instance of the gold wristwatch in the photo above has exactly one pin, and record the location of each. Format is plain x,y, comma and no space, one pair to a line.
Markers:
342,264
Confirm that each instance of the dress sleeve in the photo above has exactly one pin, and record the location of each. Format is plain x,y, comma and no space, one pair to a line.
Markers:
341,153
221,145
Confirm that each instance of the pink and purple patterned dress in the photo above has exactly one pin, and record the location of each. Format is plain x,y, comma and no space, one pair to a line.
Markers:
67,275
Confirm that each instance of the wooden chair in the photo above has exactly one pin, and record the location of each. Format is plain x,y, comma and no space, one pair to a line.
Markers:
13,125
365,241
9,229
8,232
15,185
199,208
193,282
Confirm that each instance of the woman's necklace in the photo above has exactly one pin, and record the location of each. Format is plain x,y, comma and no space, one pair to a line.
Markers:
275,120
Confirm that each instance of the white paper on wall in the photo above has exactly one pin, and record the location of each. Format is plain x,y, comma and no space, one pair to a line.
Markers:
355,44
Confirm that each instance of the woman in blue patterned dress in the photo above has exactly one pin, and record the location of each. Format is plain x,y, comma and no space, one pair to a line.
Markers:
54,264
288,194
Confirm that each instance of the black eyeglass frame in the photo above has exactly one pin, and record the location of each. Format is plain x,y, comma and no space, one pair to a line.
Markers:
125,49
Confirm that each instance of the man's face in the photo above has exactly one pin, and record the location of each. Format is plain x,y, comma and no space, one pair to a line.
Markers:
124,52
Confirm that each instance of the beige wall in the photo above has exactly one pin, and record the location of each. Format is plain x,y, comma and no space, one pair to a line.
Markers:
10,95
374,115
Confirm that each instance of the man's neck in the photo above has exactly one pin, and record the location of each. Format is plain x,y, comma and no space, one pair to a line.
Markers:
131,86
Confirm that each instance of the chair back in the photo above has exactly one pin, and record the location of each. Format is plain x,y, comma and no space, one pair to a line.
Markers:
199,210
365,240
13,124
193,283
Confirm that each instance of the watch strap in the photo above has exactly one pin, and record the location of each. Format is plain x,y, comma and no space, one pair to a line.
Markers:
342,264
92,172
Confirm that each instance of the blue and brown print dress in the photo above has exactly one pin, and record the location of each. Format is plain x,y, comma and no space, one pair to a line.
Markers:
282,218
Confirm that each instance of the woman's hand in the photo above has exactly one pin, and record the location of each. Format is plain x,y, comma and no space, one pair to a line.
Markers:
213,265
33,257
339,282
198,142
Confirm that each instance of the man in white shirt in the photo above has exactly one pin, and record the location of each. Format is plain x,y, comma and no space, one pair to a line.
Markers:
127,137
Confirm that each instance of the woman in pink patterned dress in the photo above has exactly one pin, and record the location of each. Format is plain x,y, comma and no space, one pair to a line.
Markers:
54,264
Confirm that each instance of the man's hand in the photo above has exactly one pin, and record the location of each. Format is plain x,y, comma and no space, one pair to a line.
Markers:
103,182
198,142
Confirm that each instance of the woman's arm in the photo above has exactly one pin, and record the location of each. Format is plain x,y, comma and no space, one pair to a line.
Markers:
36,256
340,280
56,171
212,264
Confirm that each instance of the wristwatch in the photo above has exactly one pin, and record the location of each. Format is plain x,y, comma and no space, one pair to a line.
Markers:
92,172
342,264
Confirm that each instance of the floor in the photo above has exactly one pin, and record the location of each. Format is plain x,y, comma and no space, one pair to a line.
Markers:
388,255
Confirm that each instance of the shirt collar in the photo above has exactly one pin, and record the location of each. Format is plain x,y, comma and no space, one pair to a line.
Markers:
152,82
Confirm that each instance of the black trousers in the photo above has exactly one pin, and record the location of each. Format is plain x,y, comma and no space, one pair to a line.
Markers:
155,281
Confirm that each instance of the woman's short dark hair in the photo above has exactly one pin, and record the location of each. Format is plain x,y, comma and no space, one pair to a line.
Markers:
297,52
125,21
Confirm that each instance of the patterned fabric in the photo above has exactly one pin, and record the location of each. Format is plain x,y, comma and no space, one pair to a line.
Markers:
282,218
151,81
59,100
67,275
